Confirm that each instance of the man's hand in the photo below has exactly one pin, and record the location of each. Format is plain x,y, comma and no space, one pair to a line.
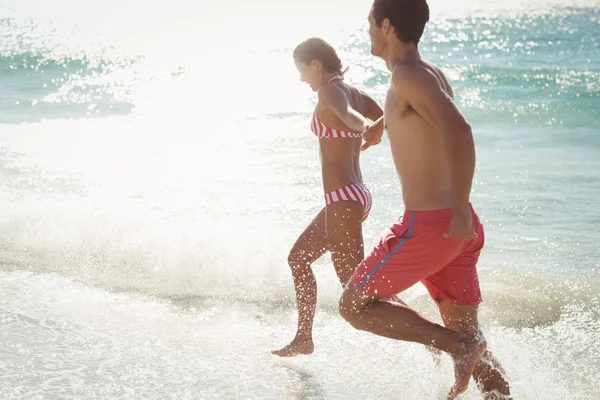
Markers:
372,136
461,226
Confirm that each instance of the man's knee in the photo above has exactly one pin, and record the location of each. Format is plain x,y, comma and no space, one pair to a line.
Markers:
350,309
347,311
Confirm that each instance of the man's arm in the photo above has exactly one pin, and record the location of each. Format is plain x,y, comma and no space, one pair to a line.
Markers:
336,99
421,89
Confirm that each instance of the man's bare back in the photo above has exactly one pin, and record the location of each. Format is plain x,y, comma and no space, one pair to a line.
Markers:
418,148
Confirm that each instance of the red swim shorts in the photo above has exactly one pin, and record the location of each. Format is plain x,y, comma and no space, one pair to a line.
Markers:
414,250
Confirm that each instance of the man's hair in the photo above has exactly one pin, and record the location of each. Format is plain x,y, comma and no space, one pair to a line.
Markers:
318,49
408,17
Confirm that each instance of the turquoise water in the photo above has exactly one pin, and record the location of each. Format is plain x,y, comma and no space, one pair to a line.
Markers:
156,165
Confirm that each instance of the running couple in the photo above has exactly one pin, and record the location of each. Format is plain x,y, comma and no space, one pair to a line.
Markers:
439,237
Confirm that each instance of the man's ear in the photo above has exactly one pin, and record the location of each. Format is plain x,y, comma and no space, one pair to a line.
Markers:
386,26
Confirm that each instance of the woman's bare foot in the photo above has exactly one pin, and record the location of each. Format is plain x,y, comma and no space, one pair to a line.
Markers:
297,347
464,364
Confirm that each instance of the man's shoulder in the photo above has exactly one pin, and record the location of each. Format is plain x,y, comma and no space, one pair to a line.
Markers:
406,72
415,77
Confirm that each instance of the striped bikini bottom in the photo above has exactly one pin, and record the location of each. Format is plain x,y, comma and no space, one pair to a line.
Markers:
355,192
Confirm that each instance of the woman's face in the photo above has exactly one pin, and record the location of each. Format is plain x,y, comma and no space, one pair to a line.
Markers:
309,73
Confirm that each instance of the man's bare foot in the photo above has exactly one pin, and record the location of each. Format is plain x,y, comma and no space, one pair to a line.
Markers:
297,347
464,364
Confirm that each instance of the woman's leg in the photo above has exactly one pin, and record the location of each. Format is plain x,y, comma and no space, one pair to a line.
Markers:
310,246
344,237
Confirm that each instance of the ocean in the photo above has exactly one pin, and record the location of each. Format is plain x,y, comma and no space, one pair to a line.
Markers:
157,164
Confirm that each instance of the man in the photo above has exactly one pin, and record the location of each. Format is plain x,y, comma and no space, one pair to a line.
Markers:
439,238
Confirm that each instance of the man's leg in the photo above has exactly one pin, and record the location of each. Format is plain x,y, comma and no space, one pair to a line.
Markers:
488,373
395,321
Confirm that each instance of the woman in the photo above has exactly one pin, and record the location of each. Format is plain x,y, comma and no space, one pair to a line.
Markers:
339,120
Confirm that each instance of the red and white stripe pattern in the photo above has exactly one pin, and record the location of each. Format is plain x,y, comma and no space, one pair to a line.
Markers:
355,192
322,131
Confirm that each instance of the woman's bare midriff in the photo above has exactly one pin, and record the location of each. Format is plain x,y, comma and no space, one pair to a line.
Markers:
340,163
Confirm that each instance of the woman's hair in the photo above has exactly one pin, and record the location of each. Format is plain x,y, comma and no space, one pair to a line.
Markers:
318,49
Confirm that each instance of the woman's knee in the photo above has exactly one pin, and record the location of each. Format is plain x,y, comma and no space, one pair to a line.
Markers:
299,261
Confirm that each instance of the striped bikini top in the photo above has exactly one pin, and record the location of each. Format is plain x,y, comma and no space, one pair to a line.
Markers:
324,132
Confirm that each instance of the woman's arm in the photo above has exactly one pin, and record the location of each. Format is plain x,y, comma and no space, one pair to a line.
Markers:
336,99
